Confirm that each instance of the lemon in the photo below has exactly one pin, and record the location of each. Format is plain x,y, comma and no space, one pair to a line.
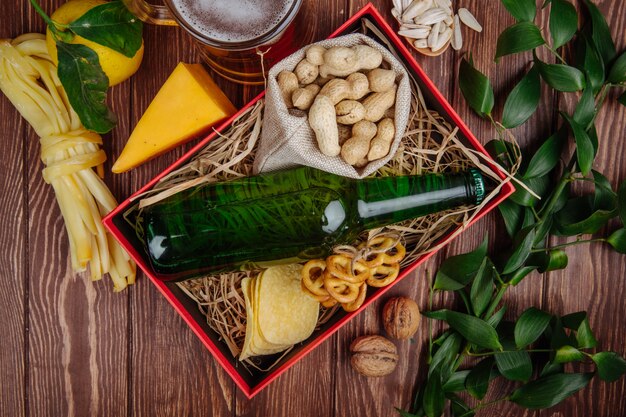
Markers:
115,65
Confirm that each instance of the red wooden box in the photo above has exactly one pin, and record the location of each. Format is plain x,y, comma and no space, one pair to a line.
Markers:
251,384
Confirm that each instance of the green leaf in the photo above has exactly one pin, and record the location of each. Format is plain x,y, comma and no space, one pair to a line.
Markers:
580,322
579,217
530,325
477,382
513,215
555,259
444,357
476,88
601,34
621,202
557,336
617,74
482,287
518,275
547,156
618,240
573,320
549,391
475,330
610,365
523,244
539,185
584,336
542,231
622,99
552,368
513,365
522,102
434,398
603,198
457,271
456,382
561,77
111,25
86,85
586,108
567,353
522,36
591,63
459,408
521,10
584,148
563,22
496,318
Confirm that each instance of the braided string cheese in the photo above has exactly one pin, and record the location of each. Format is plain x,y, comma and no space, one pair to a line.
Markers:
29,79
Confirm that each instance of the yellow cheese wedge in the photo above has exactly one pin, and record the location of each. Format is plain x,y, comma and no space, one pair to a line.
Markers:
188,103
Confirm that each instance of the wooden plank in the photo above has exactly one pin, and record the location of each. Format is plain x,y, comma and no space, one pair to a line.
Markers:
593,280
13,223
77,329
171,372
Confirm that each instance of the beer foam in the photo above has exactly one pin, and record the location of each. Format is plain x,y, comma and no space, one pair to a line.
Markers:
232,21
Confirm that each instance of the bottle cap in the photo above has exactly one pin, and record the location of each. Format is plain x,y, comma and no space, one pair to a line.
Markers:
479,185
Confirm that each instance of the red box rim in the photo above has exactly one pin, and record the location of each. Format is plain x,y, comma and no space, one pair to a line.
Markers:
248,390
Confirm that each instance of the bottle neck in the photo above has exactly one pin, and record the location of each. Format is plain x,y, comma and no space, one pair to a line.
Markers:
390,200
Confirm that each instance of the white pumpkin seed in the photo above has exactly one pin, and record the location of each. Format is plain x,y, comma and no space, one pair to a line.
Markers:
431,17
448,20
405,4
397,4
415,33
434,35
442,39
405,26
416,9
457,38
421,43
443,4
469,20
442,27
395,13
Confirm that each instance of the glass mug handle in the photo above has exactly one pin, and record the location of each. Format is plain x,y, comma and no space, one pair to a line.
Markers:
150,13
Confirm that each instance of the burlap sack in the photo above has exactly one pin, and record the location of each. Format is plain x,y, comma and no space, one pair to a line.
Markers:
288,141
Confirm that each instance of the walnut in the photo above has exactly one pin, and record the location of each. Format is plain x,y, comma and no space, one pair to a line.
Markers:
401,317
373,356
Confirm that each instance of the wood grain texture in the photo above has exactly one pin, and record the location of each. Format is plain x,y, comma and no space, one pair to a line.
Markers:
74,348
14,241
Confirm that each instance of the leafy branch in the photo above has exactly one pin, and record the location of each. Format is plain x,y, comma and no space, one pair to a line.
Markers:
537,343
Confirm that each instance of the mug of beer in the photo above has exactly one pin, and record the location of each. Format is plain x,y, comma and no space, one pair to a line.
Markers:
238,39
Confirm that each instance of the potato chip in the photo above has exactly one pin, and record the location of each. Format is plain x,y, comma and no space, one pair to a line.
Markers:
276,306
285,314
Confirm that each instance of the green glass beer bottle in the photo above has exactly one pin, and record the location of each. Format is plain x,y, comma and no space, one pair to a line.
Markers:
287,216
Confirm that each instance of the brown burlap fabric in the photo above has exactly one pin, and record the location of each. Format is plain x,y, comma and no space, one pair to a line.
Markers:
288,141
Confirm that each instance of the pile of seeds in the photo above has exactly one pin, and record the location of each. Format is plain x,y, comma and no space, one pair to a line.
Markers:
432,25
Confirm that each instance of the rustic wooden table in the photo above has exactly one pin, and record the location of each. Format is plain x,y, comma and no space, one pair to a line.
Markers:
70,347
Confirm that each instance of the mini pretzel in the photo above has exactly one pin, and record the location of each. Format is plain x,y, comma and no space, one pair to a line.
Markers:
379,244
313,278
340,266
395,254
384,275
329,303
353,306
340,290
383,251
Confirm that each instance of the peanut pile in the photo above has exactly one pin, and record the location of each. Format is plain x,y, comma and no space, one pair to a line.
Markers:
349,98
